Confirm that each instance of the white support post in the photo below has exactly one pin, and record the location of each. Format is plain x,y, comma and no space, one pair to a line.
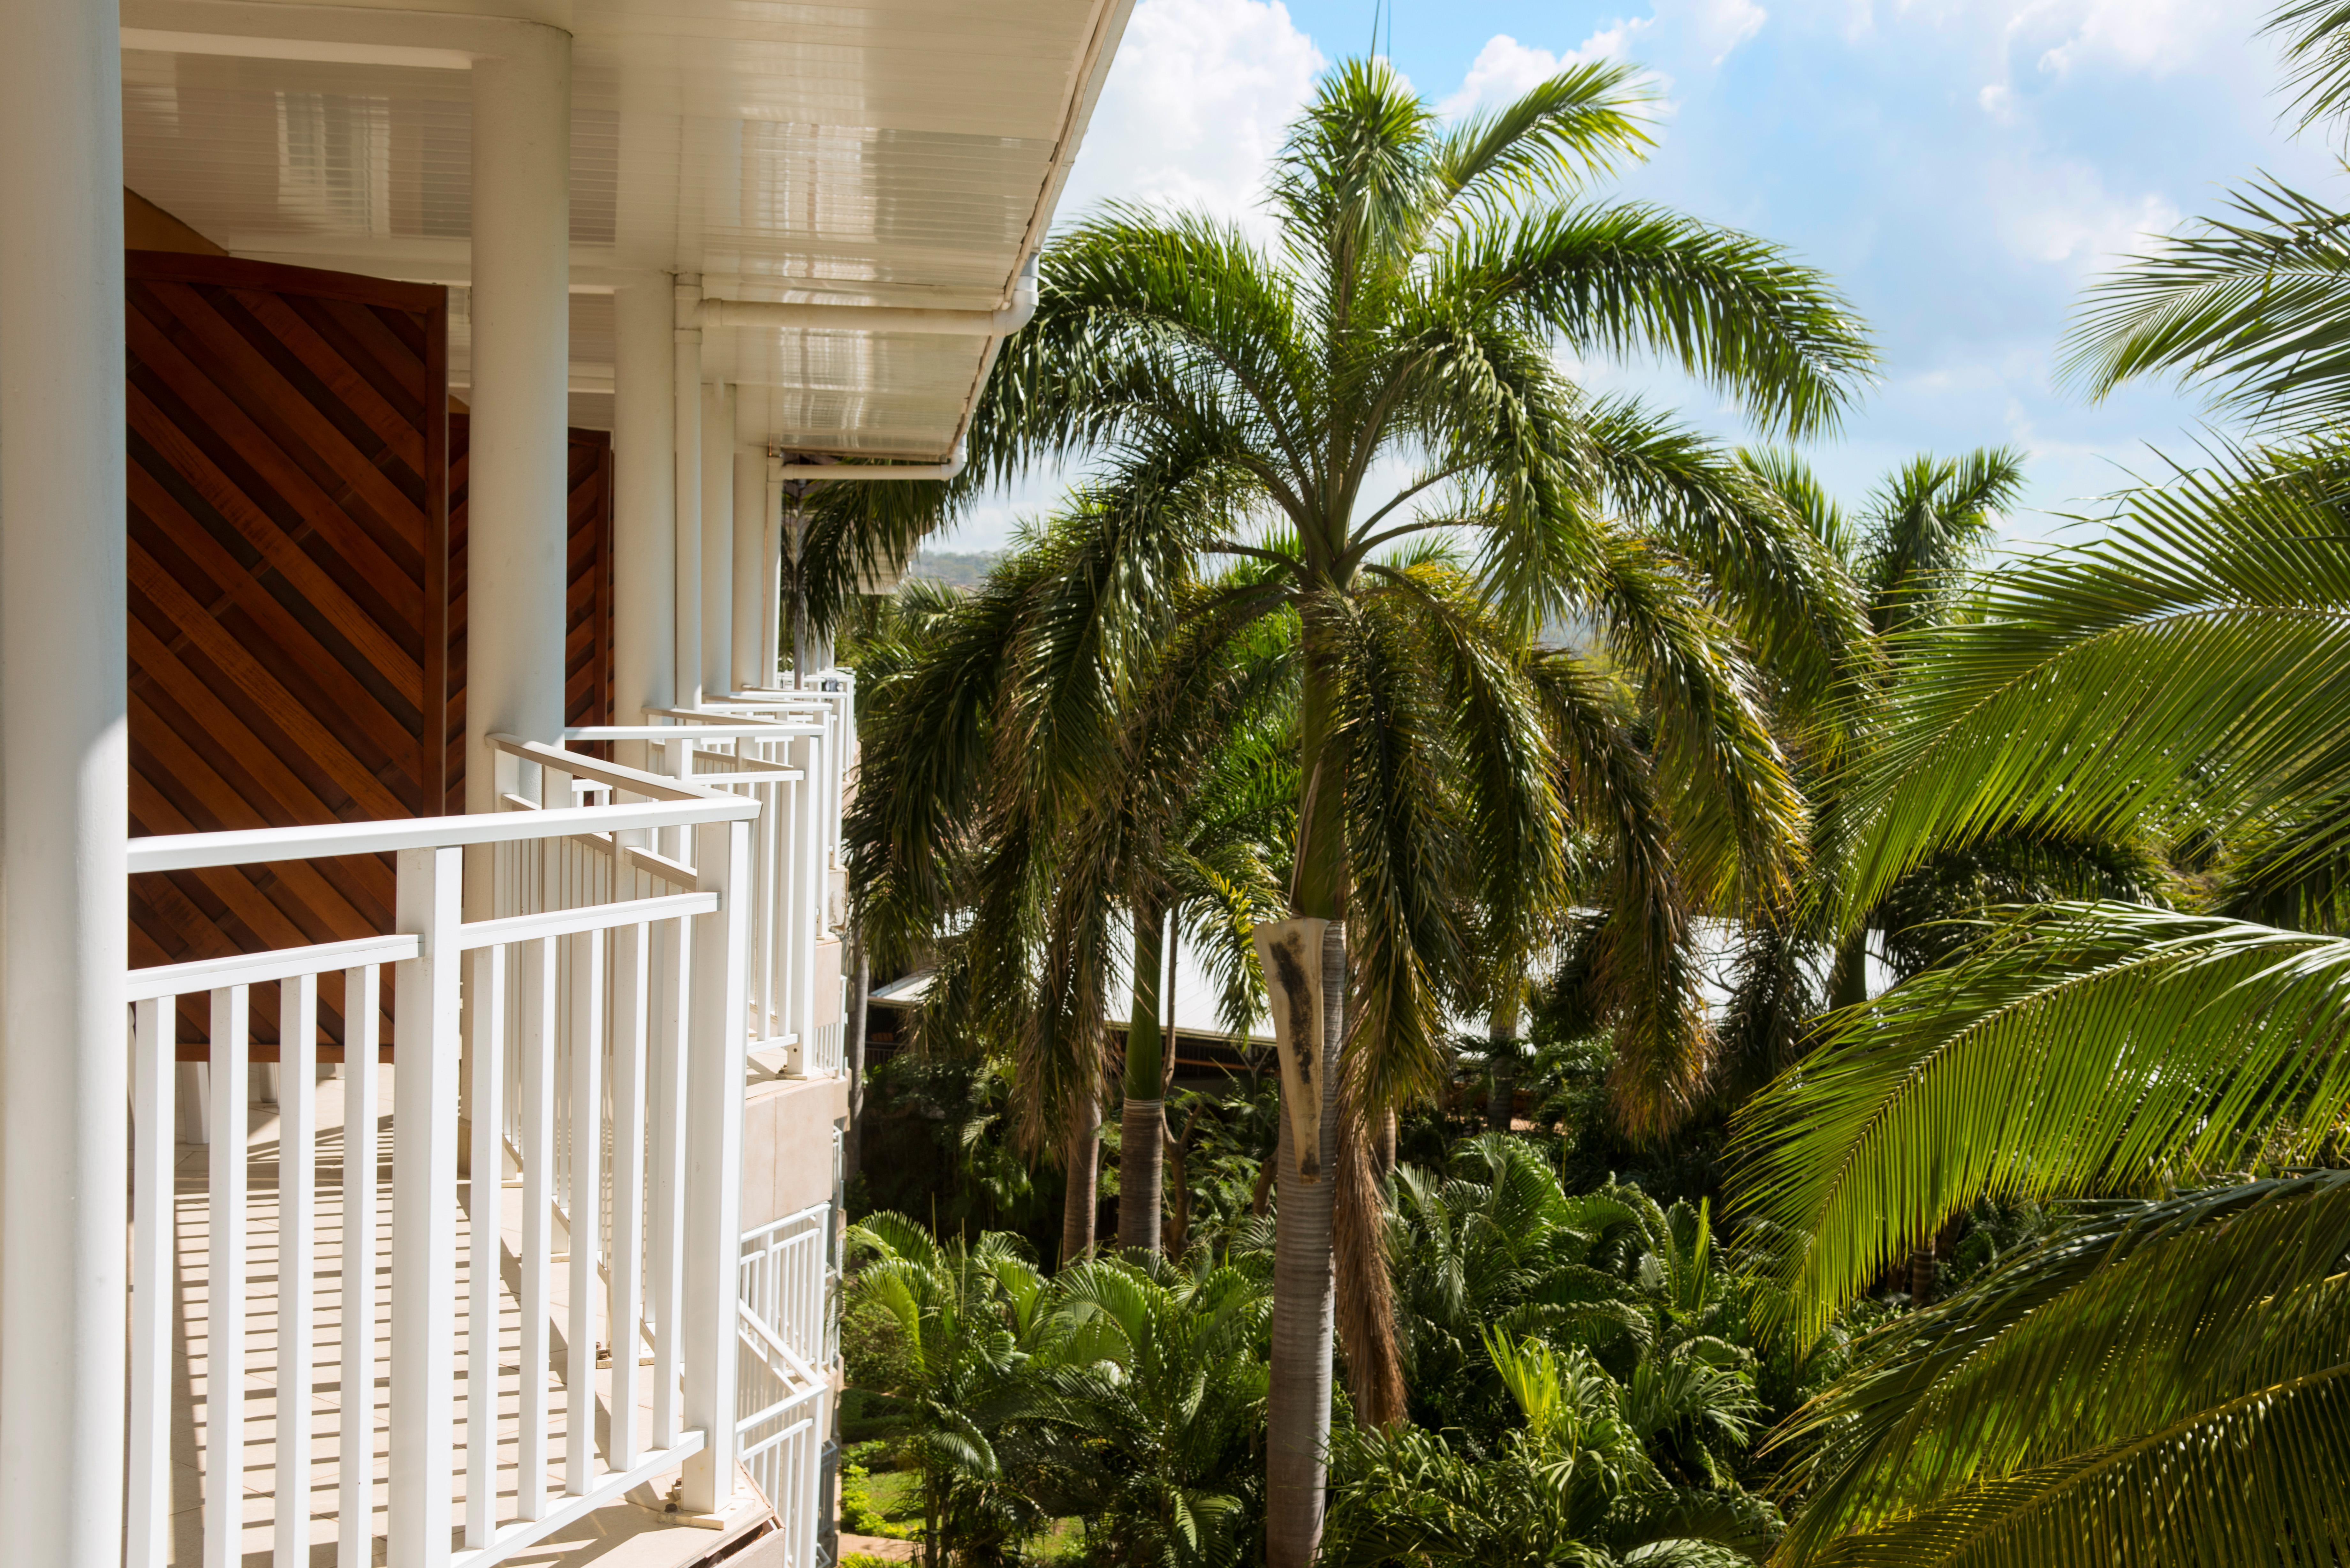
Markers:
771,584
65,1057
753,503
519,483
631,976
645,501
807,890
717,538
424,1208
713,1206
686,573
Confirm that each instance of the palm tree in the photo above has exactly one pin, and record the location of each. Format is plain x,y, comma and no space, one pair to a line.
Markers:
1234,401
2183,679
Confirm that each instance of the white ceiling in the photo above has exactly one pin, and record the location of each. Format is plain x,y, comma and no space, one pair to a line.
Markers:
906,152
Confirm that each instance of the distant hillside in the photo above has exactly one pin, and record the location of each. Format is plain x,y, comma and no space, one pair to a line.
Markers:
955,571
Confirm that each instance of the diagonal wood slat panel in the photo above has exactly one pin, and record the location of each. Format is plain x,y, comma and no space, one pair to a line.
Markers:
588,642
298,595
288,592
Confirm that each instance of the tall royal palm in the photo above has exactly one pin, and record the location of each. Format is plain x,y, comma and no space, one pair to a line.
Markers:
1235,400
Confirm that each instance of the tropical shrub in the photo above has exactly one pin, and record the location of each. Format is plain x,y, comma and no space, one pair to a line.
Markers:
1572,1484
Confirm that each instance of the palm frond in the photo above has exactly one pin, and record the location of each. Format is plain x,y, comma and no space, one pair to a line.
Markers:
2091,1049
2252,306
2200,1338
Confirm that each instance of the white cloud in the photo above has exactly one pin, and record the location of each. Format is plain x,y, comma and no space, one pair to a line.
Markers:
2065,215
1715,26
1504,68
2152,37
1195,106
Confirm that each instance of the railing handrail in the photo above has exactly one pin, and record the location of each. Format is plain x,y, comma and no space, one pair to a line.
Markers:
816,1213
675,804
608,775
259,969
747,731
259,845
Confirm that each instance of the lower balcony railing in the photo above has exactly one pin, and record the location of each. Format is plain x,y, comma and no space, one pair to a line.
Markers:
544,1314
789,1282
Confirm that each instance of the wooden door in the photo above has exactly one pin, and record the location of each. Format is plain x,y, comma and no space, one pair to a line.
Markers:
288,593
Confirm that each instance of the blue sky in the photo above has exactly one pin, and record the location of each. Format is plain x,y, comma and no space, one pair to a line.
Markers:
1960,167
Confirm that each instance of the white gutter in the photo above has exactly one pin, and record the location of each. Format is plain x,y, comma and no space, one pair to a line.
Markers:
821,471
881,318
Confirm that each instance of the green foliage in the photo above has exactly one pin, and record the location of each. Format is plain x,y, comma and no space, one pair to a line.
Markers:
858,1516
1641,1290
1572,1482
1130,1393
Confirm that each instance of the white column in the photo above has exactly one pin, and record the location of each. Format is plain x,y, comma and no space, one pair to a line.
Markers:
752,509
522,318
717,537
644,518
65,1057
685,661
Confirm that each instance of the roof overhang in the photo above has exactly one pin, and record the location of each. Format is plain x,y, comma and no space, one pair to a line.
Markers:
901,156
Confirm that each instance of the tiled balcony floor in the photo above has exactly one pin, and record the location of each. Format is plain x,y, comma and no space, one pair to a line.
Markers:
624,1534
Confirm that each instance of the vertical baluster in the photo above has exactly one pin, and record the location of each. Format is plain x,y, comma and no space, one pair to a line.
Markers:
538,1032
362,1106
225,1290
668,1159
424,1208
297,1170
488,1201
585,1199
153,1070
713,1232
631,971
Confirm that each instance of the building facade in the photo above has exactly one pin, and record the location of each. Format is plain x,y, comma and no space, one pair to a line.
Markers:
420,898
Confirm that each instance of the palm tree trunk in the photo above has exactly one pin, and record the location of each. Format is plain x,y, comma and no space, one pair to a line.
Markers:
1084,1169
1848,976
852,1141
1142,1125
1297,1416
1503,1053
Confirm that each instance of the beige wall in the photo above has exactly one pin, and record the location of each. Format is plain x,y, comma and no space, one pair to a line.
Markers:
787,1146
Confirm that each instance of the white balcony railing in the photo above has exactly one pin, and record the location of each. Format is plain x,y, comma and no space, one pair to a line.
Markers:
597,1036
790,1286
